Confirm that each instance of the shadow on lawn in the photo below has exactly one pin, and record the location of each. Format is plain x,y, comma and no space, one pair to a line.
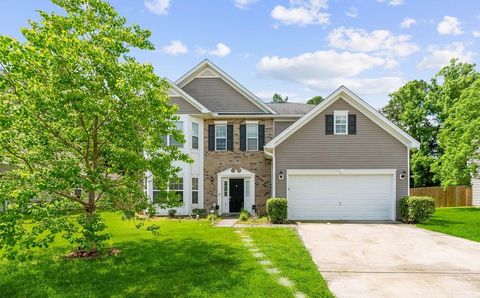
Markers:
167,268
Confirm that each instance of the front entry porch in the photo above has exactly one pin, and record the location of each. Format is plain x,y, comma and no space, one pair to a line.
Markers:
236,190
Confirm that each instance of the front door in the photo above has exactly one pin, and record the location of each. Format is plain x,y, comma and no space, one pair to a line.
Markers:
236,195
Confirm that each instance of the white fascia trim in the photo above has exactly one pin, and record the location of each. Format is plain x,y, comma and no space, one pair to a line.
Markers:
302,172
186,78
356,102
188,98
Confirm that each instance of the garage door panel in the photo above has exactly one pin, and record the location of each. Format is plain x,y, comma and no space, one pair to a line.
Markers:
340,197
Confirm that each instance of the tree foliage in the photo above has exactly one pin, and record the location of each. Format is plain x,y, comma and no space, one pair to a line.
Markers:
430,112
278,98
77,112
315,100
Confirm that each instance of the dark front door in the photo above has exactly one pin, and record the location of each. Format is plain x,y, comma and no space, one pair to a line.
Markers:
236,195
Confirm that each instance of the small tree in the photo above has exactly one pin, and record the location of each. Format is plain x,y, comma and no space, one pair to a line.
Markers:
278,98
80,122
315,100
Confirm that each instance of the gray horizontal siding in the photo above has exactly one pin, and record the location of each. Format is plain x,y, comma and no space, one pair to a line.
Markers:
281,126
184,107
218,96
371,148
476,192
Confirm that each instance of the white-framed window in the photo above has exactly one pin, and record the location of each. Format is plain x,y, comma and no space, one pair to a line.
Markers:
220,137
247,188
194,135
225,188
194,190
252,137
170,141
340,122
174,185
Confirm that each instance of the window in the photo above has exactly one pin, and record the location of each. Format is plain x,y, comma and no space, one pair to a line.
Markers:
221,137
194,190
171,140
174,185
340,121
252,137
247,188
194,135
225,188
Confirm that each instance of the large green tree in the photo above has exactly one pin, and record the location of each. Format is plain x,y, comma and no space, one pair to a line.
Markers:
315,100
77,112
278,98
424,110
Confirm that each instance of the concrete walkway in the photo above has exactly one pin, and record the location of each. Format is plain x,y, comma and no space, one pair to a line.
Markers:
393,260
232,223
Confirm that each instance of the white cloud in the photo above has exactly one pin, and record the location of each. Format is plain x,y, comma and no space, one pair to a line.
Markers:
222,50
380,42
175,47
327,70
352,12
449,26
439,57
244,4
159,7
393,2
476,33
302,12
407,23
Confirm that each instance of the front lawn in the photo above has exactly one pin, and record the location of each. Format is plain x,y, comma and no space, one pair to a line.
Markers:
283,248
461,222
188,259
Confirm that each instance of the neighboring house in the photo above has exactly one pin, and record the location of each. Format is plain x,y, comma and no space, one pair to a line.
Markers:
339,160
476,192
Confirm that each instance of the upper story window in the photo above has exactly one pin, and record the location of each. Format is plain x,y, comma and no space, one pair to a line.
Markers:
221,137
194,135
341,122
170,141
252,137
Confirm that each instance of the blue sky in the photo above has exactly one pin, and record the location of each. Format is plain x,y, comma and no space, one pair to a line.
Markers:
298,48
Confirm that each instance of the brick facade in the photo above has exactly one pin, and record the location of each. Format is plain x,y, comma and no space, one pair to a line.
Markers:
253,161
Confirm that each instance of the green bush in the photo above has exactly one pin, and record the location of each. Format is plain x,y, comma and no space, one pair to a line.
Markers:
172,212
277,210
244,215
212,217
200,212
416,209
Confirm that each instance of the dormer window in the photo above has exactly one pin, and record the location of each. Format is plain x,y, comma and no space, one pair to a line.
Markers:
341,122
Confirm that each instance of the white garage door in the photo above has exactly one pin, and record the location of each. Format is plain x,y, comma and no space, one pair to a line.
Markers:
341,195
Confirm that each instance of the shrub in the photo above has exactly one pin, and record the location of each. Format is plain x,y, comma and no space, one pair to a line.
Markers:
416,209
200,212
277,210
244,215
212,217
172,212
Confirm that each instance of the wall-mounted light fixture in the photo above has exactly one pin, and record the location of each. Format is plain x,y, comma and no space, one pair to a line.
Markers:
403,175
280,175
211,179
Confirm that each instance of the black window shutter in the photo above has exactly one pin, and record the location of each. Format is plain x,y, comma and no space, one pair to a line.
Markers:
230,137
261,137
243,137
211,138
352,124
329,124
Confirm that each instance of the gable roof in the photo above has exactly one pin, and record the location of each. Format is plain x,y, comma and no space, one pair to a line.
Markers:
350,97
177,91
207,69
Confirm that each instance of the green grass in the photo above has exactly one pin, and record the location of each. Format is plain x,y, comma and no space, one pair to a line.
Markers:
461,222
284,249
188,259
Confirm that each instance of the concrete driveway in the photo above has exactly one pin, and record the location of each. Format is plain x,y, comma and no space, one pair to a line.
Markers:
393,260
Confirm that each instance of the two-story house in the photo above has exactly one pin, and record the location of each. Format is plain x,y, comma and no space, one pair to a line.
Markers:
340,159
